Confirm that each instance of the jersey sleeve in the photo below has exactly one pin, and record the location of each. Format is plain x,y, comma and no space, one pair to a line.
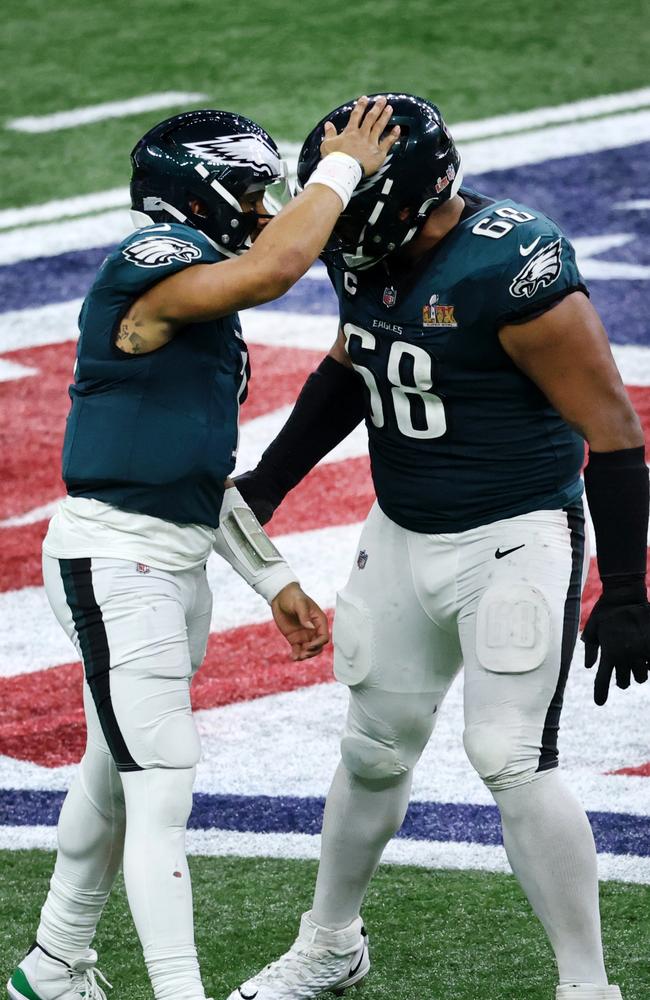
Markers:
541,271
149,255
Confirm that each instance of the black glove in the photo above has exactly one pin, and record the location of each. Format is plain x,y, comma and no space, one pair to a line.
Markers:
620,625
259,493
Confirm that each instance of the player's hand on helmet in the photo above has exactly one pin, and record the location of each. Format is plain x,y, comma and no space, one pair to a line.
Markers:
302,623
618,626
362,136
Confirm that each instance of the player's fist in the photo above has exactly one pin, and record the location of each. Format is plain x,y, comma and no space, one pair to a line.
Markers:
618,626
363,136
301,621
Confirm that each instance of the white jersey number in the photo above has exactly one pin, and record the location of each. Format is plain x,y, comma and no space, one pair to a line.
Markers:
401,395
496,228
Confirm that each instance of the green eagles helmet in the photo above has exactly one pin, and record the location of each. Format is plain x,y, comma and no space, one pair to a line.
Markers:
421,172
215,157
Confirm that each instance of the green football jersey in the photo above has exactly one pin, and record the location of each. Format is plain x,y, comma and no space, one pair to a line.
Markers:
458,435
157,432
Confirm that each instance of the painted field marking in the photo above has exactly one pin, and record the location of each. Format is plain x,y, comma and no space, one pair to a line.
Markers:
539,117
606,132
100,112
553,143
64,208
424,854
56,324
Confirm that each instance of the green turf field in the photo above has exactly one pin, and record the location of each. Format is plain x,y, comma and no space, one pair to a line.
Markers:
287,64
435,935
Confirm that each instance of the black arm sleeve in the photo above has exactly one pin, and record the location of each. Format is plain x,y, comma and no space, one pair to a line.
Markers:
616,483
330,405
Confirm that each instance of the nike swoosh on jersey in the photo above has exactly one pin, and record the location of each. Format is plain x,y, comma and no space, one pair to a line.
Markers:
525,251
506,552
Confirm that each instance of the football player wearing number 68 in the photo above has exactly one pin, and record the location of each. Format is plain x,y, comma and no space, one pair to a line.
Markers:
150,441
468,343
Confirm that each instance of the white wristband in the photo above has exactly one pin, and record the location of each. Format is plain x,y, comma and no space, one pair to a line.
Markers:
339,172
242,542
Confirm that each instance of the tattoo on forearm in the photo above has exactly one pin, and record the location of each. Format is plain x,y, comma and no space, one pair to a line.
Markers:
128,338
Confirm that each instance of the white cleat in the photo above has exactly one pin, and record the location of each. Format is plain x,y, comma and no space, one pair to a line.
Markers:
42,977
586,991
319,960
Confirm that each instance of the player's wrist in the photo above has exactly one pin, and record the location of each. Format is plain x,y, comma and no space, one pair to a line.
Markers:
340,172
616,484
624,589
242,542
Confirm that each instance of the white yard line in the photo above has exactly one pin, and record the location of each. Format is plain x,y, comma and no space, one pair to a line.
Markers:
539,117
422,854
57,324
606,132
575,139
64,208
100,112
52,238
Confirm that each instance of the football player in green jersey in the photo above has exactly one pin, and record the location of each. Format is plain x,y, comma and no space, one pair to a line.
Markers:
468,343
150,441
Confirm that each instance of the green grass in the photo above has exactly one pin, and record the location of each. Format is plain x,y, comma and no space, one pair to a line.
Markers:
451,935
288,64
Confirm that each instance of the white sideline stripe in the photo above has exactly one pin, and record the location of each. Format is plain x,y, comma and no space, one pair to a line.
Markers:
42,513
636,205
100,112
479,156
539,117
104,229
56,324
323,557
37,327
556,142
62,208
302,846
52,238
10,370
85,204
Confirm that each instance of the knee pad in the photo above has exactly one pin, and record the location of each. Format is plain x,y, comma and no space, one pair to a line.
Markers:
176,742
386,732
499,755
513,628
371,760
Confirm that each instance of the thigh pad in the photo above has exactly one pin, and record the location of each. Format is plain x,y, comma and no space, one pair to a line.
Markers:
513,628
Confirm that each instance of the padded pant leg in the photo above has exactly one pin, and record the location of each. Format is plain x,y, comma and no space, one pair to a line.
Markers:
157,878
360,818
90,842
551,849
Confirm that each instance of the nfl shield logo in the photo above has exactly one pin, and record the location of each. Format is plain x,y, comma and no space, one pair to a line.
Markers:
389,298
362,559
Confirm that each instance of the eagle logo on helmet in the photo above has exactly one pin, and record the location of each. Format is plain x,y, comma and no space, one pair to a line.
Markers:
540,271
154,251
244,149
